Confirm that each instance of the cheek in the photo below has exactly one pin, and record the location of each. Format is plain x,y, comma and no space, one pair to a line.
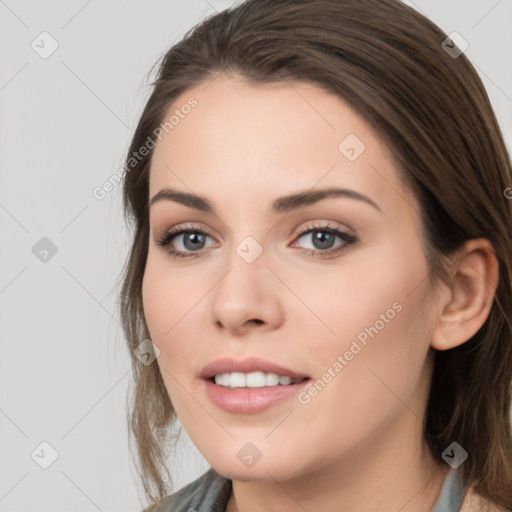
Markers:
166,298
174,301
154,299
363,292
165,310
375,315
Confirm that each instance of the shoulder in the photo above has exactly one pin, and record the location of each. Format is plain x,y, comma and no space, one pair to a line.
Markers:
474,502
208,493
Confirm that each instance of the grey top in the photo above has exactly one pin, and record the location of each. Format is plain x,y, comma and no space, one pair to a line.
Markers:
211,491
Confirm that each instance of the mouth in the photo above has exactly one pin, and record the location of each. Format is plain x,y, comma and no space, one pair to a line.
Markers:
250,386
236,399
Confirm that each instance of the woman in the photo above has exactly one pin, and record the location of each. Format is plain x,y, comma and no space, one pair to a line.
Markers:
319,285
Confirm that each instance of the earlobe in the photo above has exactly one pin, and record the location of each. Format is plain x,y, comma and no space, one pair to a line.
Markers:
473,286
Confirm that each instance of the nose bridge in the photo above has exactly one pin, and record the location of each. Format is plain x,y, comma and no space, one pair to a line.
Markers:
245,280
245,292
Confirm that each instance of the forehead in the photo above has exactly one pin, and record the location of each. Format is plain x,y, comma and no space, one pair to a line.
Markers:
271,138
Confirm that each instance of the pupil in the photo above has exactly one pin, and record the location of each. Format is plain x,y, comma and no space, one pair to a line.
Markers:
323,240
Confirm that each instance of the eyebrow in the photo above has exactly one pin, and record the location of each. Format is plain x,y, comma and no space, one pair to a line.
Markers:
280,205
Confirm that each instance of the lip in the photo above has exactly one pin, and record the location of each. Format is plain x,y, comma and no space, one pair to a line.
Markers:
251,364
249,400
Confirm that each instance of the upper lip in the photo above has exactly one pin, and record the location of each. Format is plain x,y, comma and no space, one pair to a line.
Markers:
251,364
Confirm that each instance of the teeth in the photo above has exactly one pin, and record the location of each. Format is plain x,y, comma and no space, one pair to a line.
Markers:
253,380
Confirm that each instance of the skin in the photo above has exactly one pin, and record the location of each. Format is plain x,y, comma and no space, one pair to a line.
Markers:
359,441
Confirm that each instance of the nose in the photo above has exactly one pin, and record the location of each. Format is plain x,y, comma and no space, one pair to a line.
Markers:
247,297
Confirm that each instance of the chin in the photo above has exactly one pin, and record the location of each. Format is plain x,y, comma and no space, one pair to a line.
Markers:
262,471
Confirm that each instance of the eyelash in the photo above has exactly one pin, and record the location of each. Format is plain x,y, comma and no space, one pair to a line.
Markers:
169,236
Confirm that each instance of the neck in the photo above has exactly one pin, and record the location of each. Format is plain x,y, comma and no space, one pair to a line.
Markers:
388,473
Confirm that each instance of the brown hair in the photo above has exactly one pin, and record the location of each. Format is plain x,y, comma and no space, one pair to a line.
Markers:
387,61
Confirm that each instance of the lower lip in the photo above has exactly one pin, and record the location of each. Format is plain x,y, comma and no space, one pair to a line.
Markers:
250,400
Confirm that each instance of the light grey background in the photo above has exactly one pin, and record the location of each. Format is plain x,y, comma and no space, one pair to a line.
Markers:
65,126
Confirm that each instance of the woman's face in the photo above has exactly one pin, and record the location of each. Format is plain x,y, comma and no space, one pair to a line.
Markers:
346,305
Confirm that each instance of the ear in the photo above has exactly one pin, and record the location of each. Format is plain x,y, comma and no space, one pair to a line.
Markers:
467,303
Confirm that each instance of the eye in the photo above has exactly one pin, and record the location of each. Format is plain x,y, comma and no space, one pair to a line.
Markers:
190,241
183,241
323,240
